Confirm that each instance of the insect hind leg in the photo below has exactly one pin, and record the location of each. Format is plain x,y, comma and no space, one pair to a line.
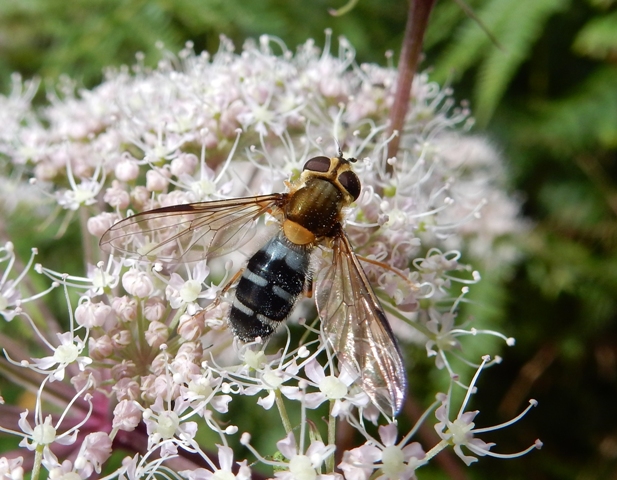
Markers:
410,283
200,316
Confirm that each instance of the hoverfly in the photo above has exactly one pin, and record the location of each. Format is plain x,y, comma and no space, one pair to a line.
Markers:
311,215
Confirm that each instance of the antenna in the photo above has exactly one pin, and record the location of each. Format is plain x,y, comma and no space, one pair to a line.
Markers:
338,149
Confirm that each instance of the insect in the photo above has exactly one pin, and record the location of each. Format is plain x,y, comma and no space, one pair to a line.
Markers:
310,215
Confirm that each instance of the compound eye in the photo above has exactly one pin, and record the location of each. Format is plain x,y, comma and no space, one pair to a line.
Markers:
318,164
351,183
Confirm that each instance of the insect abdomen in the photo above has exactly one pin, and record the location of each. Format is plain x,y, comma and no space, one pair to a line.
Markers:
268,289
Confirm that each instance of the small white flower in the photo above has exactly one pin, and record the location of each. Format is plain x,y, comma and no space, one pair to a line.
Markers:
359,463
204,390
44,433
11,469
443,337
224,472
168,424
399,461
270,378
82,194
334,388
302,466
94,283
65,354
180,292
10,296
461,431
394,461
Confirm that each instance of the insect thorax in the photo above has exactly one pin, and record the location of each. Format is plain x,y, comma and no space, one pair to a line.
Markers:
316,206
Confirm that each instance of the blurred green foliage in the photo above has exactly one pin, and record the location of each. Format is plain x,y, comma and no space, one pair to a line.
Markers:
80,38
545,92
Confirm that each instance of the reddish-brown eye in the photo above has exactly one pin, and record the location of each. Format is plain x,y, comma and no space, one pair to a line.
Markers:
318,164
351,183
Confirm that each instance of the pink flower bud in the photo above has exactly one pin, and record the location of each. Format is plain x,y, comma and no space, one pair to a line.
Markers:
116,196
122,339
124,369
190,328
127,416
157,334
91,314
95,450
157,180
137,283
140,197
126,389
99,224
125,308
154,309
184,163
100,348
127,170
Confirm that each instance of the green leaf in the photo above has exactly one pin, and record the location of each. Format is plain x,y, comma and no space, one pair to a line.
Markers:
598,38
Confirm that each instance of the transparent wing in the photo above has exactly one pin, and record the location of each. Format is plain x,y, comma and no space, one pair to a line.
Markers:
358,330
190,232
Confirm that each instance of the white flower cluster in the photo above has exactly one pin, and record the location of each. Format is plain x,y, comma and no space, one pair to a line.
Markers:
149,356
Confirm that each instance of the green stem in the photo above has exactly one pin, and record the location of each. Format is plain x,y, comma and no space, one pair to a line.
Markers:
435,450
348,7
331,437
86,239
176,320
282,411
141,329
38,459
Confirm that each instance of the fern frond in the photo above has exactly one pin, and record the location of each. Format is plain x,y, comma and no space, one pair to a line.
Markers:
444,18
517,34
470,42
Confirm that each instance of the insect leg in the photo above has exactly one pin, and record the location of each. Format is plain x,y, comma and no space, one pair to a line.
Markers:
231,282
217,300
412,285
308,286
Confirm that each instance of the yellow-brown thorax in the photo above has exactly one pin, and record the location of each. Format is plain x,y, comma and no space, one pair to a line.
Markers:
317,198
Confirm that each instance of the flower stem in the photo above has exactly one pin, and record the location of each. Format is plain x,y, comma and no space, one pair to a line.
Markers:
331,437
417,20
38,458
435,450
282,411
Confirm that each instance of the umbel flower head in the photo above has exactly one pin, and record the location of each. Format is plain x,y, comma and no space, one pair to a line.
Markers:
148,359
